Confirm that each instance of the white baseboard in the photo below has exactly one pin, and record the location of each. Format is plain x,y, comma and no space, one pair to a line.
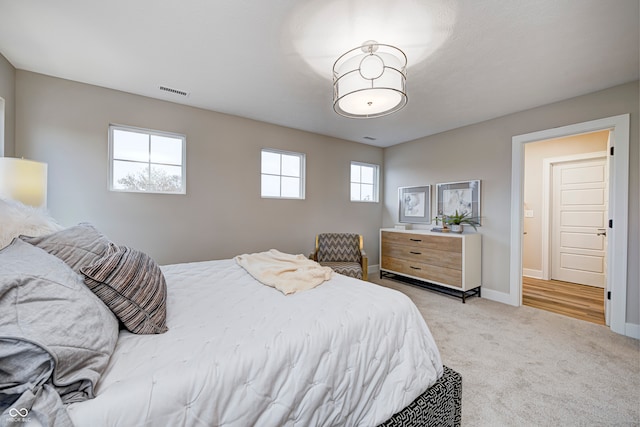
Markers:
632,330
373,269
498,296
529,272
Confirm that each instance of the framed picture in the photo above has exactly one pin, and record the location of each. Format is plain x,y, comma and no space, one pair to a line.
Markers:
414,204
463,197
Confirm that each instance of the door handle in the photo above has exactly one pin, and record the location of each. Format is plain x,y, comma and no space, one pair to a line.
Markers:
601,232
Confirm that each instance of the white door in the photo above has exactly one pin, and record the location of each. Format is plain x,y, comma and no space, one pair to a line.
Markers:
579,220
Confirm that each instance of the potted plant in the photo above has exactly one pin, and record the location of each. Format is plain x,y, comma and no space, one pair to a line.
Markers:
456,221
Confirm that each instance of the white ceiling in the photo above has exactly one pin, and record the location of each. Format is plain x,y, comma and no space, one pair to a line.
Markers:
469,60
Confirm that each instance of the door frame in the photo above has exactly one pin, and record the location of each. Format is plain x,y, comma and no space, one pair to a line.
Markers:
618,208
547,166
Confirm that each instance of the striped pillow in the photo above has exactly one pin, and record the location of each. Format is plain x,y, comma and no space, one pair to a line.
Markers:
132,285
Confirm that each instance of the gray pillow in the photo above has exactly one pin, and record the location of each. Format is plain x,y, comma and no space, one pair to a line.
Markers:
132,285
78,246
44,302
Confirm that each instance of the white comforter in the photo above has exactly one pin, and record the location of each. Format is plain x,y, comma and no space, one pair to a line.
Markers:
239,353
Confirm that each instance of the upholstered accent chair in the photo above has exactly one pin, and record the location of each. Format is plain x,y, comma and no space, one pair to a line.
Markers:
343,252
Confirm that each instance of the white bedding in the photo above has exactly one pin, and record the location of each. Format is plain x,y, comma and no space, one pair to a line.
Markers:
239,353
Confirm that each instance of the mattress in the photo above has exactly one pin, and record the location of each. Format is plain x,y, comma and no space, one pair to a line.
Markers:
239,353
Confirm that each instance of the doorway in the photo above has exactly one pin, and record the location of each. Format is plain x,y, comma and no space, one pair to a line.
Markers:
564,240
617,218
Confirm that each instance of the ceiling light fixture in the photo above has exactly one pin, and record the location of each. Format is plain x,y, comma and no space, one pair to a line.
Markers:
369,81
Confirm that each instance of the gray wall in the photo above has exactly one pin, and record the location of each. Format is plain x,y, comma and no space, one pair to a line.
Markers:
8,93
64,123
483,151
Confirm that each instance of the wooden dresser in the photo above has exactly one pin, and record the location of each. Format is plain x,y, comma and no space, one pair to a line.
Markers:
449,260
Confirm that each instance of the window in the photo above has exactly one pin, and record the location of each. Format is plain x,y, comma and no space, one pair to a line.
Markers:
282,174
364,182
146,161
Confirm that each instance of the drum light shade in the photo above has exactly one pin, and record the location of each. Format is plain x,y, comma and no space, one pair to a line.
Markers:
369,81
24,181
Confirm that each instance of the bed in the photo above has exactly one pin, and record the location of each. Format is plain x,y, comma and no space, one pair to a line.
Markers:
235,352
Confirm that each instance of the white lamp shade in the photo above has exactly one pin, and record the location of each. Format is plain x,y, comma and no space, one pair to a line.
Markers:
370,83
24,181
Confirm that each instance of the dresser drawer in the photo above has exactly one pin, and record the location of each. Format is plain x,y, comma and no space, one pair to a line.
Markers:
423,255
430,273
440,243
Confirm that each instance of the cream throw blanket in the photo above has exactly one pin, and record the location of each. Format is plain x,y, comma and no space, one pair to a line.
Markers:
285,272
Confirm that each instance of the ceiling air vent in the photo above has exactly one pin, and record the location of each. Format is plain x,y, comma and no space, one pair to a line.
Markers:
174,91
370,138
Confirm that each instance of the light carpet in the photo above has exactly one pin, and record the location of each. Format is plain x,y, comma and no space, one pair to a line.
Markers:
522,366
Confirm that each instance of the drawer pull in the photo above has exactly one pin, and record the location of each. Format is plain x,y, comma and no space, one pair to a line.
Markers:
415,268
416,240
415,253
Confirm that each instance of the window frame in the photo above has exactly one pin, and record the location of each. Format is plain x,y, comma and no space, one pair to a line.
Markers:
149,133
303,160
376,182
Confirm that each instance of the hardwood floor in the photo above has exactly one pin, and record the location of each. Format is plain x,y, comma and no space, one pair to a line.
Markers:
570,299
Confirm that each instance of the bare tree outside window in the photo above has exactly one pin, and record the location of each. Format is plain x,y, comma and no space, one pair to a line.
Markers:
157,181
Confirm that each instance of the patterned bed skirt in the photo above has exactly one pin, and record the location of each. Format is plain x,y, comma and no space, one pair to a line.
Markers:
440,405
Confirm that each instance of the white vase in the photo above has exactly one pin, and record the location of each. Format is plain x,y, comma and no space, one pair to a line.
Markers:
456,228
